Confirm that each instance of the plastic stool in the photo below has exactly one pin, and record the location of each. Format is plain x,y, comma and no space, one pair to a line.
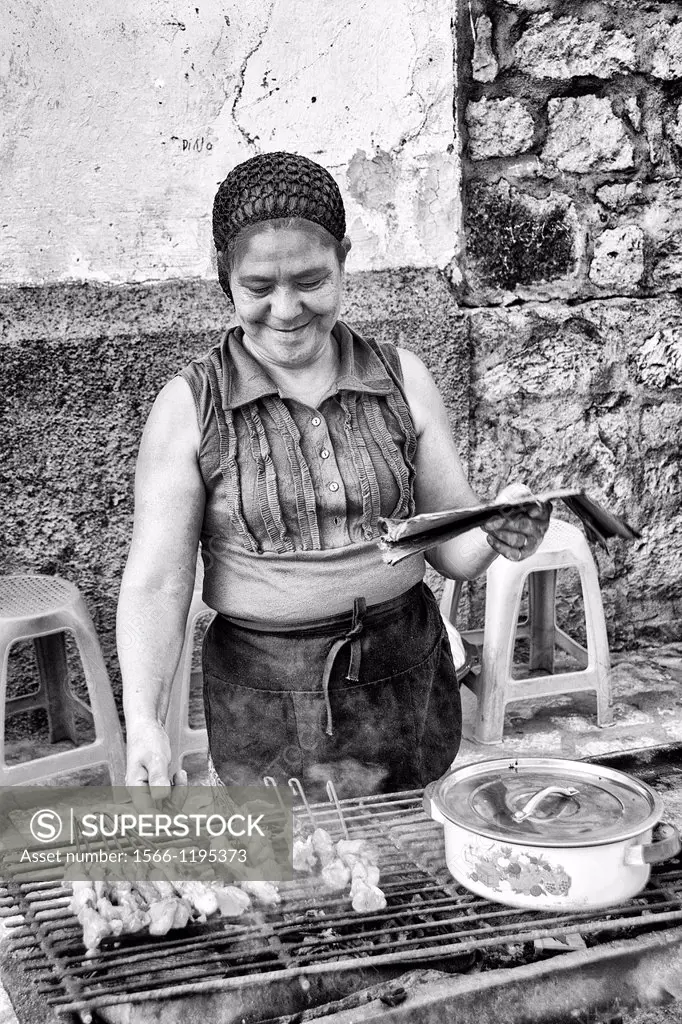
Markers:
183,738
42,609
563,547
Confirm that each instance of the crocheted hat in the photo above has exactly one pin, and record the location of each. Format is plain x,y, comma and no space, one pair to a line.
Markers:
273,185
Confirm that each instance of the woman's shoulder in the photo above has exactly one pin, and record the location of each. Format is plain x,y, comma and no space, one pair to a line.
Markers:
205,375
413,368
172,416
421,393
196,371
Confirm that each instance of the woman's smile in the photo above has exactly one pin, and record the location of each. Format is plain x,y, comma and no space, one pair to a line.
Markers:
290,330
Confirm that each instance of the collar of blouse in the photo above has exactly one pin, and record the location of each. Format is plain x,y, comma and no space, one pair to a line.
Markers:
361,370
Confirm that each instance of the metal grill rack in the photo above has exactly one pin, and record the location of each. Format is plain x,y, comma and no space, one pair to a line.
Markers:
429,919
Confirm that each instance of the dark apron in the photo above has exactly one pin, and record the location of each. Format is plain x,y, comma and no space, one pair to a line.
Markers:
369,700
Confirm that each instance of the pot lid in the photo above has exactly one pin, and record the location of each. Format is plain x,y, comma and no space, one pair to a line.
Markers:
546,802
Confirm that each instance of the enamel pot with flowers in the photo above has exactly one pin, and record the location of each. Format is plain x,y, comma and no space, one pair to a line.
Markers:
549,833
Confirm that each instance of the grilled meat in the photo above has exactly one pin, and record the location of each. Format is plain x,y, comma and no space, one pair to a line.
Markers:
232,902
264,892
352,850
323,845
162,915
95,928
363,872
201,896
336,875
348,860
304,857
368,898
83,896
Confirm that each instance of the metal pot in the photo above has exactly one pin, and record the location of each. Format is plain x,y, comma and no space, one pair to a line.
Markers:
549,833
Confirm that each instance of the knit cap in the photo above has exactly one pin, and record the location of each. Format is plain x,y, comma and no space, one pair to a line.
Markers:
273,185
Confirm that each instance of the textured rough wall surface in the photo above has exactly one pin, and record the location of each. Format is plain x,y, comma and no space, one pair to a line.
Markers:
570,115
81,367
120,120
565,397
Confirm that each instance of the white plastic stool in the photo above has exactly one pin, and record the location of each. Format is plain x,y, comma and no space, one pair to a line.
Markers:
42,609
563,547
183,738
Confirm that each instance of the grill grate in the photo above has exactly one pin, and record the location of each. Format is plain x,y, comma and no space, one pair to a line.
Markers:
428,919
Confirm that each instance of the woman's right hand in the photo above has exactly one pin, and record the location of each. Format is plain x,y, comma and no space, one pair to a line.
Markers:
149,756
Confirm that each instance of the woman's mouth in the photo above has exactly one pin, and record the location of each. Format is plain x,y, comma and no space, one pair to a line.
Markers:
291,330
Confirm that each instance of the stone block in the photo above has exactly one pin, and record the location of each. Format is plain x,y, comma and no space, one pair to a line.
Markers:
560,48
484,65
498,128
620,196
585,135
666,271
659,362
666,60
657,209
618,261
515,239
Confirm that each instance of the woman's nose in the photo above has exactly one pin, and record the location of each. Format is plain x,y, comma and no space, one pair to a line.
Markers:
285,304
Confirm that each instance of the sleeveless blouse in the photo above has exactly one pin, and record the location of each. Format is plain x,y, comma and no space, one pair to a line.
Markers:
293,492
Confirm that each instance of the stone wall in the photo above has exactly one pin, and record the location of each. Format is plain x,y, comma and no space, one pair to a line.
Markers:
572,115
571,119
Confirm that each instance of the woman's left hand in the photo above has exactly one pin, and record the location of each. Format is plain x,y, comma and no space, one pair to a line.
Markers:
514,533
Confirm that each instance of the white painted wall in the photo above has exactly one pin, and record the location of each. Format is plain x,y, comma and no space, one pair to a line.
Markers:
120,119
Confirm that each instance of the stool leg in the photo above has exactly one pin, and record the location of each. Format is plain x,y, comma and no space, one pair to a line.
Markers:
597,642
499,635
542,619
104,713
449,602
50,654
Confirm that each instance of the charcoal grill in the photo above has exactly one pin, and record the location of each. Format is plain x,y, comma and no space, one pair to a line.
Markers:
312,948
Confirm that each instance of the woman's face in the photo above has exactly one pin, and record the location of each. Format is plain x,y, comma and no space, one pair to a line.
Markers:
286,286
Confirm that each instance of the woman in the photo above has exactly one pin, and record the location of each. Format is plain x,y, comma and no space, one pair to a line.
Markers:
279,451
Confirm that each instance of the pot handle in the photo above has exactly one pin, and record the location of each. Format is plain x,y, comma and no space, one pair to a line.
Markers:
667,846
528,809
428,804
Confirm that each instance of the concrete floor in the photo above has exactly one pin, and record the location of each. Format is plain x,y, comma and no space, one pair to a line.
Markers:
647,706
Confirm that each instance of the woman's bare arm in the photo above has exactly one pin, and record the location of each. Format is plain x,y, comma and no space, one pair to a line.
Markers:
441,483
158,581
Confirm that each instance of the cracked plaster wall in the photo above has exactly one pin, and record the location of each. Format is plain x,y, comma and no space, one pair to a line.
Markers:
120,120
